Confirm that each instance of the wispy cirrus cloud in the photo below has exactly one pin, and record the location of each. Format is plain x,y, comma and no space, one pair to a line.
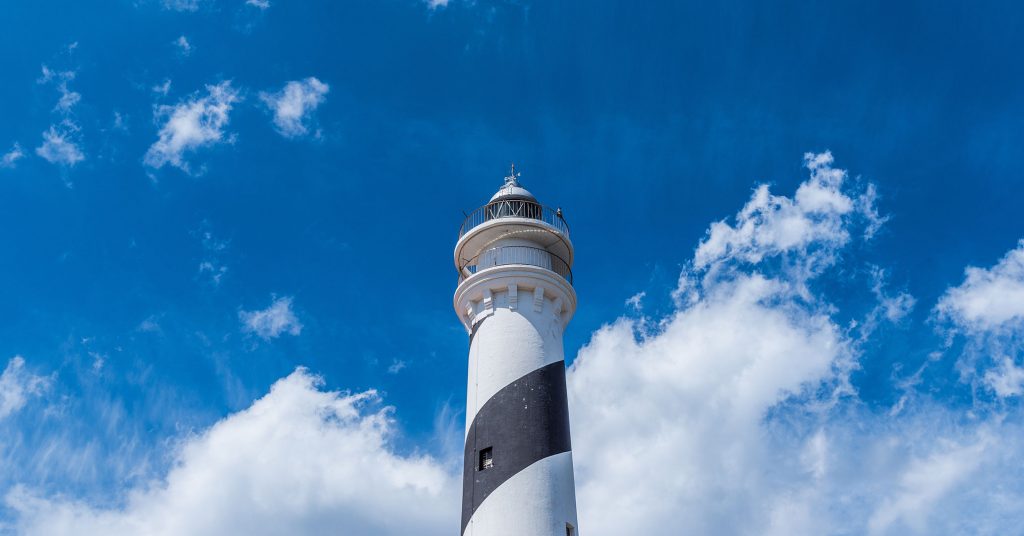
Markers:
194,123
294,105
163,88
184,47
60,146
212,266
68,98
62,140
182,5
273,321
11,157
17,386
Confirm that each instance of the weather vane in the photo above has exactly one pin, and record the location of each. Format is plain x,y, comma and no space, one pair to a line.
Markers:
512,178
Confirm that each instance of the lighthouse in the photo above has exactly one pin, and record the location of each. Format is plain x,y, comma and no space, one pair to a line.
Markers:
515,297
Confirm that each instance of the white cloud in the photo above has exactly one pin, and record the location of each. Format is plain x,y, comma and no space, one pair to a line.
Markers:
60,142
396,366
216,272
988,299
732,415
922,484
735,414
163,88
636,301
987,310
893,307
294,104
299,461
149,325
193,124
59,146
271,322
262,4
68,98
17,385
183,45
10,158
182,5
213,247
804,231
434,4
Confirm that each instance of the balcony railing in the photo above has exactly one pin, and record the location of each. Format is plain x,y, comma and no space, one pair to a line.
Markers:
506,255
515,208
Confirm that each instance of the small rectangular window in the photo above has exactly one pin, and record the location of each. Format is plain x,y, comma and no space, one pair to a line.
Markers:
486,459
570,530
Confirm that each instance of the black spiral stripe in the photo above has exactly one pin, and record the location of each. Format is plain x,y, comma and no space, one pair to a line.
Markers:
525,422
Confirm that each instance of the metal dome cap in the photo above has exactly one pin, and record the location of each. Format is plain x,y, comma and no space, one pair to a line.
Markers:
512,189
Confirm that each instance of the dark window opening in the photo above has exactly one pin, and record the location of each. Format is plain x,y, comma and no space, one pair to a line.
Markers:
486,459
570,530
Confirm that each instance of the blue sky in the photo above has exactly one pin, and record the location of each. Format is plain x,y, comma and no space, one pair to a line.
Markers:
202,196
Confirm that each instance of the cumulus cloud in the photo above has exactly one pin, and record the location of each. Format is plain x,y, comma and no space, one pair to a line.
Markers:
988,299
735,414
803,232
300,460
271,322
17,385
188,126
293,105
10,158
59,145
262,4
987,309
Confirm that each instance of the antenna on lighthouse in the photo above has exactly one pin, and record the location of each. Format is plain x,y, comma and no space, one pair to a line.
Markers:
513,178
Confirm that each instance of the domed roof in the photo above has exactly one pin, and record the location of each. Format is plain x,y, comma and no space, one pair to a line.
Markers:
511,189
512,192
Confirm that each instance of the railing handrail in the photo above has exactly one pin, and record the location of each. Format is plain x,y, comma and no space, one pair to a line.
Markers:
518,255
515,208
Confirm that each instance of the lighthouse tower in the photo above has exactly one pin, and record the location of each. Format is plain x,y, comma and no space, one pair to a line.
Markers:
515,297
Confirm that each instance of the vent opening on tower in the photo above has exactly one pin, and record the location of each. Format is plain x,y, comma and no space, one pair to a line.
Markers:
486,458
570,530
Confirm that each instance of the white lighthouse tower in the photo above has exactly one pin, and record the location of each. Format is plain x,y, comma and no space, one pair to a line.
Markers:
515,297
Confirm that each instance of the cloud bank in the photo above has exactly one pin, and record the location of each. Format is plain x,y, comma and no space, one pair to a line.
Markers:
299,461
733,414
